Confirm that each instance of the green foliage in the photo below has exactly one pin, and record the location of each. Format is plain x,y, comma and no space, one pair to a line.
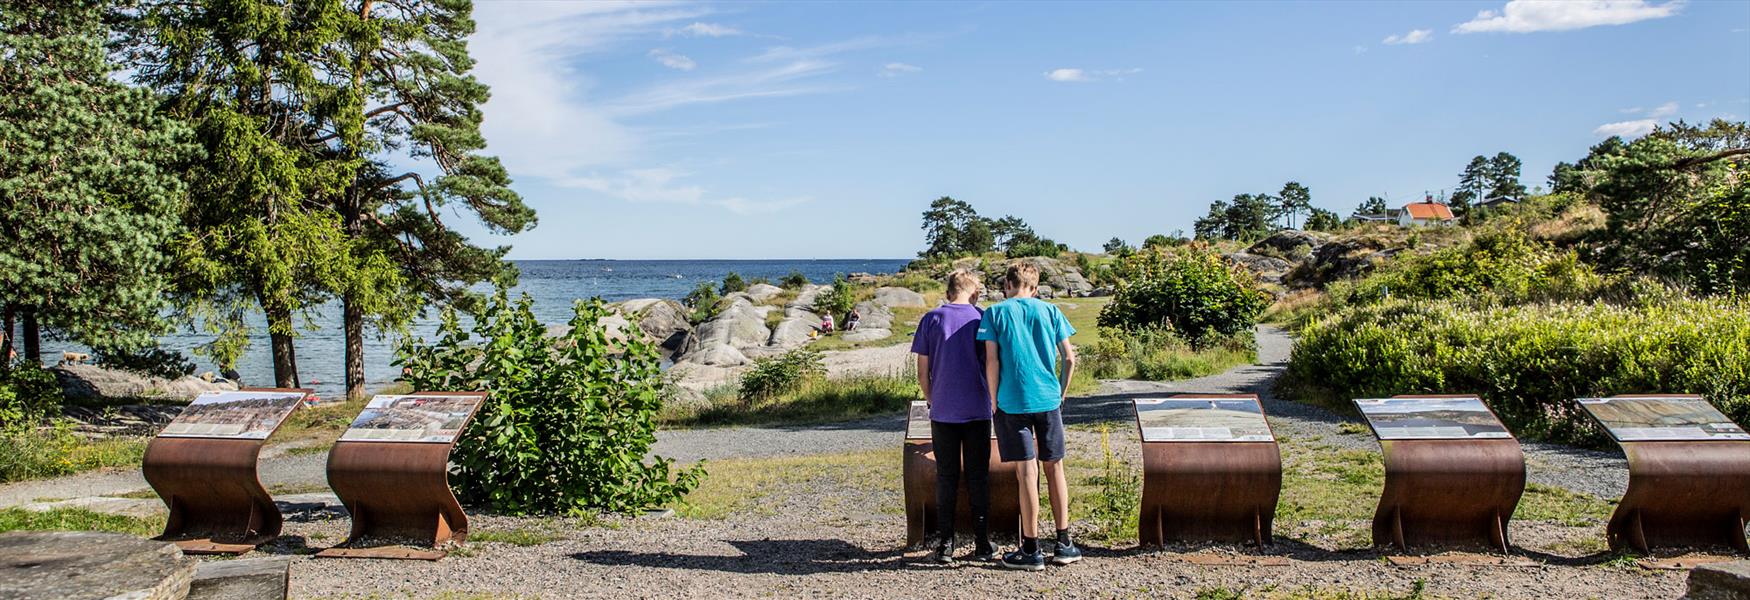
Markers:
28,394
703,302
1194,293
732,283
1529,362
1501,265
33,453
74,519
781,374
88,189
1158,354
952,228
1373,206
1117,247
570,418
1159,241
1246,217
795,280
836,300
153,361
1112,510
816,400
1323,220
1293,200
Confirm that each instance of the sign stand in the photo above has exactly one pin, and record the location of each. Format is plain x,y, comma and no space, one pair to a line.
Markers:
1453,474
920,486
391,471
1688,472
203,465
1211,469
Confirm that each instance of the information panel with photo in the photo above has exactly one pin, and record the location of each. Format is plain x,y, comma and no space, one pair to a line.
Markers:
917,423
1201,420
233,415
1652,418
1431,419
431,418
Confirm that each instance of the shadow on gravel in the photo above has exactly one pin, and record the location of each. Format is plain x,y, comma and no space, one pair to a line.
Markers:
778,557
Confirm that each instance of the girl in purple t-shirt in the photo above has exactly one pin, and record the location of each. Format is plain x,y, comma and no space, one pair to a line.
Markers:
951,375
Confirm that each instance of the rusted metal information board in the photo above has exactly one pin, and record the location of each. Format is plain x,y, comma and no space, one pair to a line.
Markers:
1453,473
1211,469
1688,472
920,486
203,465
391,471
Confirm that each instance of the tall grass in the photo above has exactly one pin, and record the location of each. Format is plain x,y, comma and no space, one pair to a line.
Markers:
31,453
815,400
1530,361
1160,355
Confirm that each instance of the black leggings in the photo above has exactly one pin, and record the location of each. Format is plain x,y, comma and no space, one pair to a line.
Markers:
957,444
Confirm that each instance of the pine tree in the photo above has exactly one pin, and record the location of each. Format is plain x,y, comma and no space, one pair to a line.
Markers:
88,188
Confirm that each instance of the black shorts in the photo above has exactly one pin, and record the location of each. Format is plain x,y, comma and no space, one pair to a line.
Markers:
1027,436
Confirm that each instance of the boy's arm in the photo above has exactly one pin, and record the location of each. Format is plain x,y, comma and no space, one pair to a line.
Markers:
993,371
924,376
1066,353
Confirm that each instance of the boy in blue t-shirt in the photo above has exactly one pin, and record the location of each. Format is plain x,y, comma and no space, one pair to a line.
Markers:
1028,365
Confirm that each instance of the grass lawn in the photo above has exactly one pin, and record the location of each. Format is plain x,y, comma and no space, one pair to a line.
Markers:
56,452
73,519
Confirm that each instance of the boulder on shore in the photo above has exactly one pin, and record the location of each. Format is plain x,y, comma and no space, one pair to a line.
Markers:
805,297
761,292
868,334
739,325
94,382
795,329
716,355
874,315
894,297
663,321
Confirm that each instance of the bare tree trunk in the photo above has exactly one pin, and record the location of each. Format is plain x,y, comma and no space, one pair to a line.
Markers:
33,340
285,354
355,347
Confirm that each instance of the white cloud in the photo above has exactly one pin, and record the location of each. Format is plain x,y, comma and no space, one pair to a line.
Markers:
1415,36
1526,16
697,29
770,82
1627,129
663,185
673,60
1083,75
896,69
1664,110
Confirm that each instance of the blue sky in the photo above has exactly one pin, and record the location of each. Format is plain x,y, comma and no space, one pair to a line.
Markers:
814,130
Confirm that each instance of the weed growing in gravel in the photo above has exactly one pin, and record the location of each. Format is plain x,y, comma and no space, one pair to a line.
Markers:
73,519
1111,509
516,536
1351,428
1569,508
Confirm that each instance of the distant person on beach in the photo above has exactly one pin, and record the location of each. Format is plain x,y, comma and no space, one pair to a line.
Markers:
1028,365
951,375
826,323
852,320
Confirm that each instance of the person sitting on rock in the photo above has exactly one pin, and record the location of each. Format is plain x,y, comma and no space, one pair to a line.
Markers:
852,320
826,323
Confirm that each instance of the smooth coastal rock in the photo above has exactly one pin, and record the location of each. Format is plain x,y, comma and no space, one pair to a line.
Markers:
805,297
717,355
796,329
664,321
868,334
874,315
1268,269
92,382
894,297
762,292
67,565
739,326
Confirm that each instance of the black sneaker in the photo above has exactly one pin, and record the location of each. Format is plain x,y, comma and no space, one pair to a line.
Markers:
1066,553
942,552
983,553
1024,561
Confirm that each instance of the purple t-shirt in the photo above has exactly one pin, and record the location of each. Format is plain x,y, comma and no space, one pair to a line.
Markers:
948,336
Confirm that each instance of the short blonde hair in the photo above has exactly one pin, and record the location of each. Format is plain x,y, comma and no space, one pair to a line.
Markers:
962,281
1023,275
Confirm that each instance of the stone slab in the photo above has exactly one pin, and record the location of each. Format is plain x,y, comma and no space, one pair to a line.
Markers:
1720,581
77,565
247,579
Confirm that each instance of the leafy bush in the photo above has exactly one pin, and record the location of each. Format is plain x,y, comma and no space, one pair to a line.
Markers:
1529,362
1158,354
732,283
33,453
795,280
152,361
780,374
28,394
918,282
703,302
1501,266
1195,293
836,300
569,419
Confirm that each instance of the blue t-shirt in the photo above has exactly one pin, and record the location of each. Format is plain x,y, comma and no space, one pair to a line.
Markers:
957,390
1027,331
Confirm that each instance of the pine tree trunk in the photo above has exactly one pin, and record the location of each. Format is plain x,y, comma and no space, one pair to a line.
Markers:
285,354
33,340
355,347
6,338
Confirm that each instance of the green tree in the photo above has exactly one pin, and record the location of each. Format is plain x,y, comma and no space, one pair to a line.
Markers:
1293,200
1374,205
1010,234
410,62
733,283
1211,226
953,228
88,190
1117,247
1473,184
1504,177
1323,220
1194,293
1250,216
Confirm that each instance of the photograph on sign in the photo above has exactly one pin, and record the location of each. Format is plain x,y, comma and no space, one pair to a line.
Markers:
1431,418
235,415
1201,420
917,425
1647,418
435,419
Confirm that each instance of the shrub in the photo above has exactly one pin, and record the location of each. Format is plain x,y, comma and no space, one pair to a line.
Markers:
1195,293
1501,266
33,453
1158,354
836,300
795,280
732,283
28,394
780,374
569,419
1529,362
151,361
703,302
919,282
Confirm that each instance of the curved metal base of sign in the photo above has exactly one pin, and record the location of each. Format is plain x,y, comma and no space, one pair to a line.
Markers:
1449,493
217,503
1683,493
920,495
1209,491
398,493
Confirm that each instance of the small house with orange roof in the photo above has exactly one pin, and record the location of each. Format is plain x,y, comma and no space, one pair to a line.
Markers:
1425,213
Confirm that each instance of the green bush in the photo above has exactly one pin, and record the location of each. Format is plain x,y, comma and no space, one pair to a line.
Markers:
28,394
151,361
569,419
1529,362
33,453
1501,266
836,300
1158,354
795,280
918,282
732,283
1194,293
780,374
703,302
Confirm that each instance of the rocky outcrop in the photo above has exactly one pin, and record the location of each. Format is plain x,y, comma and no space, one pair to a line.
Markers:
738,325
805,297
795,330
716,355
1268,269
1056,278
874,315
1290,244
762,292
894,297
663,322
1340,259
94,382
